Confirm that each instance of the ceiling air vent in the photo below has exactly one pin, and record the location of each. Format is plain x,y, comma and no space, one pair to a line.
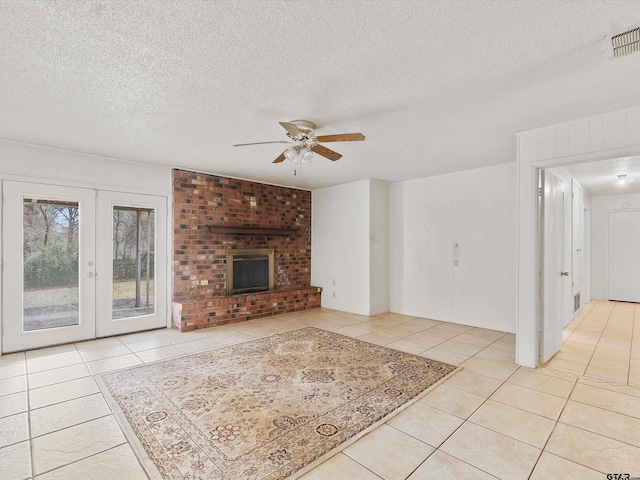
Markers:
626,43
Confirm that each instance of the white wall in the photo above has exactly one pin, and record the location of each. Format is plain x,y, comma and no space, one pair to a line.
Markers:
64,167
475,209
600,208
340,250
420,245
485,228
379,244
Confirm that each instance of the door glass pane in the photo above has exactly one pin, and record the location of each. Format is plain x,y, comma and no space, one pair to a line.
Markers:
50,264
133,262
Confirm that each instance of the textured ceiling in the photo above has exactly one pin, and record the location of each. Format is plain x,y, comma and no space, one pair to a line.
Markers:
601,178
436,86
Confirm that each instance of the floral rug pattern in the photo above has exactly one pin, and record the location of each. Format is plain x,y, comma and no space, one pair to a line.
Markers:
263,409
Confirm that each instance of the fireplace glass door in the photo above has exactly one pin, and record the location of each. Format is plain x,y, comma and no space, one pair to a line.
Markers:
249,270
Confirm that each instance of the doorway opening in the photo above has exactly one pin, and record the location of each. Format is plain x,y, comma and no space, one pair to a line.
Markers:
601,234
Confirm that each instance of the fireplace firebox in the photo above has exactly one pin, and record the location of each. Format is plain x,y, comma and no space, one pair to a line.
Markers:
249,270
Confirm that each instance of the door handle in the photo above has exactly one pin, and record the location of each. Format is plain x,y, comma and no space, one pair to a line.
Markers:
564,274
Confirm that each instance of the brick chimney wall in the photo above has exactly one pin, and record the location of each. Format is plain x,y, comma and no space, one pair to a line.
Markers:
199,258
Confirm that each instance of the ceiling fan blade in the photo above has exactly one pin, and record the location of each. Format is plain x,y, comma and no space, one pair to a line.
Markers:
280,158
325,152
258,143
341,137
291,128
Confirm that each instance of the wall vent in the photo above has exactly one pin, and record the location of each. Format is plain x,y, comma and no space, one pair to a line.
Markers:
576,302
626,43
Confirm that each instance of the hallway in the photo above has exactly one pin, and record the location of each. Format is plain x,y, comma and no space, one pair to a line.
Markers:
602,342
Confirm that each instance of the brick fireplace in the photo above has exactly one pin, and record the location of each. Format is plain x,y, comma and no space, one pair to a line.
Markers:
213,215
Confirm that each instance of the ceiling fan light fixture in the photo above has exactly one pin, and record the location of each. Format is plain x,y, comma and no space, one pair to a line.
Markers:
306,154
298,154
292,155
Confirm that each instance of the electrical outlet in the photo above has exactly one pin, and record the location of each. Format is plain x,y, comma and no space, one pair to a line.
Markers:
334,294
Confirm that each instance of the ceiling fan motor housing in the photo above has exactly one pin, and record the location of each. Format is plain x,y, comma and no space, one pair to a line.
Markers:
306,128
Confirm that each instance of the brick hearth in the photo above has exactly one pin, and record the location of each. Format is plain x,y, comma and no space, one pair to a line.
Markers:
199,267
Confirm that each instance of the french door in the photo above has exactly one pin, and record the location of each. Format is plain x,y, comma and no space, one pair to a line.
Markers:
79,264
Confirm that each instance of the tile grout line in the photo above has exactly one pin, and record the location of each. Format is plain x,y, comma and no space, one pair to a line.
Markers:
126,442
464,421
75,424
437,449
113,448
29,409
31,458
350,458
599,338
555,424
592,433
633,326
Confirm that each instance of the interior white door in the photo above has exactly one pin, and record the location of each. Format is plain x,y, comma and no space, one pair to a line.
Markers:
132,262
577,241
48,245
553,276
624,256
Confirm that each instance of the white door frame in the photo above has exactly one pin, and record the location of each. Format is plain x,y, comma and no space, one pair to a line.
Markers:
163,238
596,138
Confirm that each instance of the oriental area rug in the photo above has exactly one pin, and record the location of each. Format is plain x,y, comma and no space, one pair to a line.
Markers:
263,409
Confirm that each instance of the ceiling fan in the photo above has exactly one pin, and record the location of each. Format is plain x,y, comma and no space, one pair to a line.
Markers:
304,142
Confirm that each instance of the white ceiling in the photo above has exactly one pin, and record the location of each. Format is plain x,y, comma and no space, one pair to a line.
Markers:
436,86
601,178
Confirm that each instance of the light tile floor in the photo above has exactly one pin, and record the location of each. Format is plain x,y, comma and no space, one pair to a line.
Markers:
491,420
603,342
